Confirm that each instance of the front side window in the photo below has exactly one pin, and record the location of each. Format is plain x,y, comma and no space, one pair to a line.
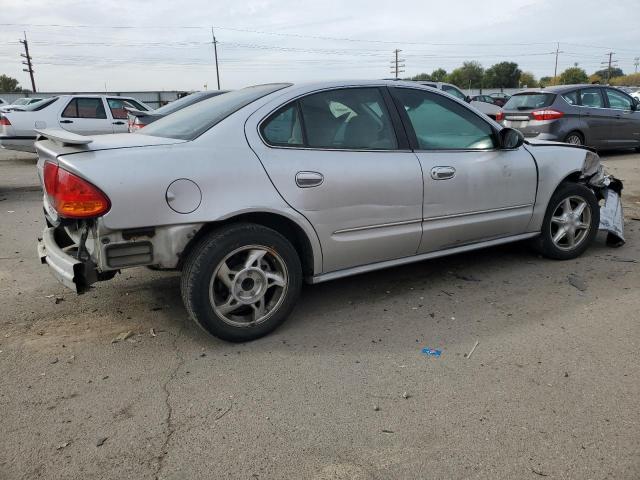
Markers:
85,108
618,100
284,128
442,124
591,97
351,118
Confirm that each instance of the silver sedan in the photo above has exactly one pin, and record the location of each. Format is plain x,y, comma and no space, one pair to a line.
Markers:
254,191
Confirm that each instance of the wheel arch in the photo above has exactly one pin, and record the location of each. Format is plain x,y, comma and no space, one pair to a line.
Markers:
306,244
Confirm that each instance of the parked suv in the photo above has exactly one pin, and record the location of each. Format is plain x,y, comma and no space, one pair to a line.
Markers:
598,116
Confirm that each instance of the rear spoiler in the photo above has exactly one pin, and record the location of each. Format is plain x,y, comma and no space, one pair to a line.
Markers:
63,137
136,112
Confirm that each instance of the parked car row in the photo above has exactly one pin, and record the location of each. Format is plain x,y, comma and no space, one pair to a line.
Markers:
498,99
251,192
81,114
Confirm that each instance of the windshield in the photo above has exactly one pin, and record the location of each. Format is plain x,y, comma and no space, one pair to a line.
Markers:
193,121
40,104
21,101
529,101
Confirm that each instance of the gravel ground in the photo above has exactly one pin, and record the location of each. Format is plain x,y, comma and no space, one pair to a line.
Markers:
342,390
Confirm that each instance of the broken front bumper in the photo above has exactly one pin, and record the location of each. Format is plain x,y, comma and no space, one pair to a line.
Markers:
69,271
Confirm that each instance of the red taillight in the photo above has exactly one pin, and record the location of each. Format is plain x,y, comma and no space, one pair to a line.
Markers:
72,196
546,114
4,121
136,126
499,116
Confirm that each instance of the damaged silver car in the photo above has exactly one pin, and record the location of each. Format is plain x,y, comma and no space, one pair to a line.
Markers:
252,192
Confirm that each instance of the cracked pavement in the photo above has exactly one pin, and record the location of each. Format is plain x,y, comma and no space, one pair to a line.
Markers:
551,389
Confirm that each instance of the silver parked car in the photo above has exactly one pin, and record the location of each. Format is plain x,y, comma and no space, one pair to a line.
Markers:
598,116
251,192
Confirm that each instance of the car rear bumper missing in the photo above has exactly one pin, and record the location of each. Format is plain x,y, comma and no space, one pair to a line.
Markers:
71,272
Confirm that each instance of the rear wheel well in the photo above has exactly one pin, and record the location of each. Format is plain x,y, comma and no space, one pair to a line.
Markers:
286,227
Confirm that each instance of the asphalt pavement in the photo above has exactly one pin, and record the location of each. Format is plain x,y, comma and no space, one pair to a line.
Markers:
119,383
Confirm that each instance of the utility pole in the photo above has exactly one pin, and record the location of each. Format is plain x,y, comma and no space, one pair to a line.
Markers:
558,52
397,65
28,61
636,63
215,53
609,64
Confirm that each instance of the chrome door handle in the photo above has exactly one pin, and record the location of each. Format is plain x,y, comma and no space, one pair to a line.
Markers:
309,179
442,173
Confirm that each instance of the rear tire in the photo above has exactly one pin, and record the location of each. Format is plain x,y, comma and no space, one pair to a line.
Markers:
241,282
570,222
574,138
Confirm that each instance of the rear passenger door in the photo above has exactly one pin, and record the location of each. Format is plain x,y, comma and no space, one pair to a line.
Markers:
341,159
594,114
85,116
624,128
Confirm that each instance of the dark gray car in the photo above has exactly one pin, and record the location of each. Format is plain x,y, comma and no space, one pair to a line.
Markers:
595,115
138,119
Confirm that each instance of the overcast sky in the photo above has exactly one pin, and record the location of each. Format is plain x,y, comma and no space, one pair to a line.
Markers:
169,45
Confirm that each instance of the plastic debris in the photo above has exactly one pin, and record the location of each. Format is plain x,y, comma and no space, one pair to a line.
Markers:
63,445
405,395
473,349
101,441
123,336
432,352
152,332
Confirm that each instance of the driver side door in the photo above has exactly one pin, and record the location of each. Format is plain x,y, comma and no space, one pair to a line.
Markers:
473,190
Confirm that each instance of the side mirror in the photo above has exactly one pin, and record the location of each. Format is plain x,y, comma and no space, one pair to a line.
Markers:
510,138
634,105
467,99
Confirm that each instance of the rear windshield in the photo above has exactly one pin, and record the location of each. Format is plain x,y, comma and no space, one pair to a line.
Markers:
529,101
193,121
184,102
39,105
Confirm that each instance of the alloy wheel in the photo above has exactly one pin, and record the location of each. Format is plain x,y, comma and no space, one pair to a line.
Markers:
570,223
248,286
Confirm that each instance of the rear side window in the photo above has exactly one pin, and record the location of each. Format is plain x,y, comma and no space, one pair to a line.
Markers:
192,121
284,128
618,100
343,119
85,108
350,118
443,124
591,97
571,97
529,101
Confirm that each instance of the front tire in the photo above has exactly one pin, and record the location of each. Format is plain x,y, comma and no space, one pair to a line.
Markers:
241,282
570,222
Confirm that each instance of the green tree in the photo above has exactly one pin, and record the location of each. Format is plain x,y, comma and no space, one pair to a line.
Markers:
503,75
527,79
421,76
546,81
439,75
8,84
470,74
573,75
615,72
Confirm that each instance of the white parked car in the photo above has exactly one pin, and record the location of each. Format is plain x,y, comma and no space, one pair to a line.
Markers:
81,114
